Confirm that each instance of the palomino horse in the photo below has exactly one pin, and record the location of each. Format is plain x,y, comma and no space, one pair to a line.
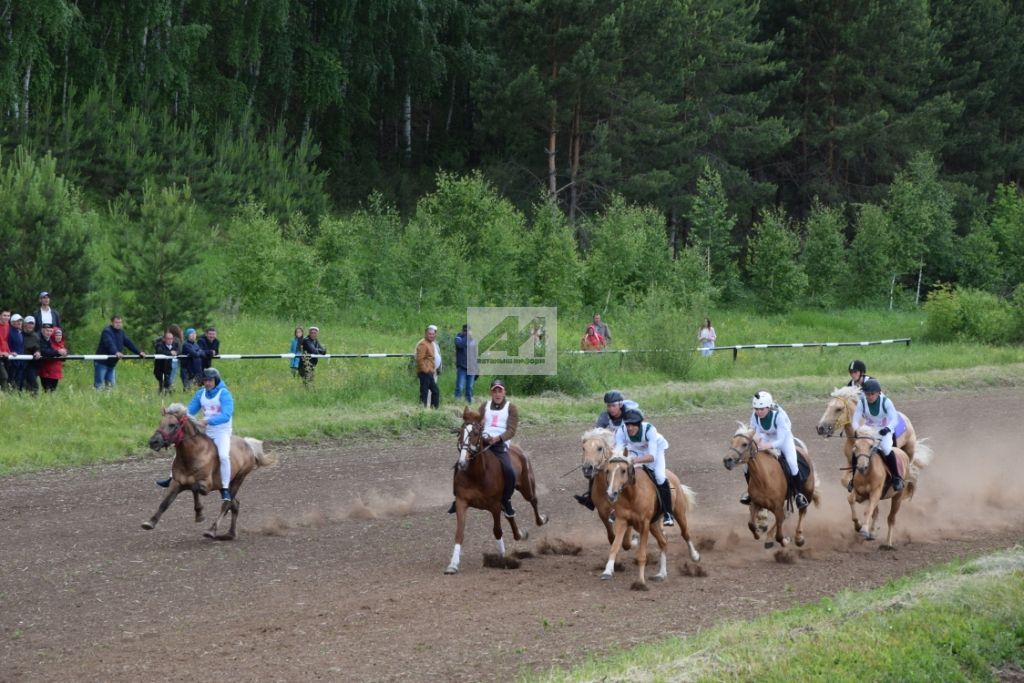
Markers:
478,483
768,485
635,499
597,448
839,414
872,482
196,466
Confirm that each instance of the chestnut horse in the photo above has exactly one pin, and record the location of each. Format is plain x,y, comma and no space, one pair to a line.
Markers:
635,499
196,466
839,414
768,486
597,448
478,482
872,482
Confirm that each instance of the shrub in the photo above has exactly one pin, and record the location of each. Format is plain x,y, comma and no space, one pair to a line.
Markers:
970,315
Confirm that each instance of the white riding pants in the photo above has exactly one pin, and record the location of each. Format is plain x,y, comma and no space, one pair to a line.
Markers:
221,435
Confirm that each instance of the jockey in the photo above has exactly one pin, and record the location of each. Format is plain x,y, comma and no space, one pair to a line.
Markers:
858,374
646,447
773,429
611,418
218,407
874,409
501,419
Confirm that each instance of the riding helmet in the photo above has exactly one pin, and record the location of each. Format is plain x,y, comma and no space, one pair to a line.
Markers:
858,365
871,386
211,373
633,416
613,396
762,399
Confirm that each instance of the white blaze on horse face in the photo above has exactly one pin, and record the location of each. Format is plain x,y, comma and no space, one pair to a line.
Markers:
464,450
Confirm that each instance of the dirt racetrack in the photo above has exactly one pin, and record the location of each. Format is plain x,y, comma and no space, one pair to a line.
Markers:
337,574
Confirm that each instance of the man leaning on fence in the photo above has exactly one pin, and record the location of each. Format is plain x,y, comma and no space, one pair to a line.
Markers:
428,367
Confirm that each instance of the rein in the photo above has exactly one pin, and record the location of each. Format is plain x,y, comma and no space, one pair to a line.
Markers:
177,437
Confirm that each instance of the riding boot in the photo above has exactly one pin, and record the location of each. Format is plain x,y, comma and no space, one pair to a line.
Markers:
586,500
796,485
745,498
897,480
665,496
509,475
225,495
163,483
451,508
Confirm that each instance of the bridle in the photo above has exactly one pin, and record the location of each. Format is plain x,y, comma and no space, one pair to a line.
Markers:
469,444
627,480
173,438
747,451
595,468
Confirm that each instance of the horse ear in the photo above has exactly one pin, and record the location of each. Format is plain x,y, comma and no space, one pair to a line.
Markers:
163,410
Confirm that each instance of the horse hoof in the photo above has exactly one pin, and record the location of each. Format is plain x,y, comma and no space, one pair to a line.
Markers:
451,569
210,534
200,519
886,546
639,586
542,520
523,535
605,577
659,577
800,542
769,544
148,526
695,556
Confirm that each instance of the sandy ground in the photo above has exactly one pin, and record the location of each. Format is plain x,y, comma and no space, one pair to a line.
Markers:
337,574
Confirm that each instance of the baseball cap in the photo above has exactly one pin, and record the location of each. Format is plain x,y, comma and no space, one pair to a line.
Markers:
314,327
44,293
497,383
16,317
432,328
30,319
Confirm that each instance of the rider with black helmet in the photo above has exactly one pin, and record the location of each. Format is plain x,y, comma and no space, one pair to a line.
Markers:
647,447
858,374
874,409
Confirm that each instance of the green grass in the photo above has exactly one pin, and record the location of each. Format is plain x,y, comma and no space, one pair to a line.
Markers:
365,397
959,622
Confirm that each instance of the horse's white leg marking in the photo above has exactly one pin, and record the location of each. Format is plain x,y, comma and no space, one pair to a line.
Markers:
609,569
501,546
662,567
694,555
453,566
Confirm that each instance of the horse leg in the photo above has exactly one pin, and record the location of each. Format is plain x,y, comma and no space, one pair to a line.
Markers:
641,558
621,529
752,524
684,527
172,493
460,531
528,488
659,536
225,507
870,514
799,537
780,517
230,535
894,507
197,505
852,500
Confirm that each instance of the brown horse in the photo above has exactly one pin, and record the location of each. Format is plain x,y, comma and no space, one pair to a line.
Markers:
597,448
635,499
839,414
478,482
872,482
768,486
196,466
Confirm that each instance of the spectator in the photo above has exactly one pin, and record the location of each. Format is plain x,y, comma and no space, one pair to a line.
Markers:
706,338
310,346
112,342
167,346
5,347
179,337
16,343
44,315
210,346
191,361
602,328
465,364
592,340
296,349
53,350
32,343
428,367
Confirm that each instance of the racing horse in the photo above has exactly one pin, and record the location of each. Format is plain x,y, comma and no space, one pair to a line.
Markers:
872,482
597,449
839,415
635,499
478,482
196,466
768,486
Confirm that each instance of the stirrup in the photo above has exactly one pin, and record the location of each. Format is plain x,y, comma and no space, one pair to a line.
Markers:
801,501
585,501
745,499
163,483
897,483
668,520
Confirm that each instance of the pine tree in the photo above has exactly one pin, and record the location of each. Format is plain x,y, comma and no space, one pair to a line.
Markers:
711,228
774,275
824,255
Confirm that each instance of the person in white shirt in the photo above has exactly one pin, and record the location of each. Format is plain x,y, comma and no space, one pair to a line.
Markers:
773,429
646,447
874,409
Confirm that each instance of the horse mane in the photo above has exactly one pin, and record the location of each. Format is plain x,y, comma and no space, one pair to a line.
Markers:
744,429
179,410
847,393
598,433
865,432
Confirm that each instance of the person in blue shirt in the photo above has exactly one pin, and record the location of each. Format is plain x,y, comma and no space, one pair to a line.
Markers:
112,342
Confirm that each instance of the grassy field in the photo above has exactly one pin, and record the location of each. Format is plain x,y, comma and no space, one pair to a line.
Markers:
363,397
960,622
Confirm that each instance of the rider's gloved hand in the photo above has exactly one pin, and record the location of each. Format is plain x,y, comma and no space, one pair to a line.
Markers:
883,431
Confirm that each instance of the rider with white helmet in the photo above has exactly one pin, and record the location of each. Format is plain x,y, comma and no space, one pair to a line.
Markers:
874,409
773,429
647,447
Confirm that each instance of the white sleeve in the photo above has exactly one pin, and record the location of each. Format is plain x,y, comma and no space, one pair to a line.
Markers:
620,436
858,415
891,415
783,430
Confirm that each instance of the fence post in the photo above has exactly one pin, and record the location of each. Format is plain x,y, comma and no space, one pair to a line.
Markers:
735,352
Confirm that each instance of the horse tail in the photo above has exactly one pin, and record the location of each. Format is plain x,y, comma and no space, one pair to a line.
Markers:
263,459
923,455
689,498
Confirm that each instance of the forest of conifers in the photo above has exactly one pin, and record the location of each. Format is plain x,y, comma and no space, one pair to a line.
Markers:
723,140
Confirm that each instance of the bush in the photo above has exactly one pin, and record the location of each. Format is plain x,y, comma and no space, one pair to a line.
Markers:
971,315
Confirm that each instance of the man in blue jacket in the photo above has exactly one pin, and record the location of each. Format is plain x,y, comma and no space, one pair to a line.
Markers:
112,342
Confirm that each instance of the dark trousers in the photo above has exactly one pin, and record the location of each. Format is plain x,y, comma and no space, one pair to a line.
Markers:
28,379
507,471
15,373
49,384
429,384
3,374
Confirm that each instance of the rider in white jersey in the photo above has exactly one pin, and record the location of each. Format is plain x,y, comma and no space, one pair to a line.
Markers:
874,409
218,407
647,447
773,429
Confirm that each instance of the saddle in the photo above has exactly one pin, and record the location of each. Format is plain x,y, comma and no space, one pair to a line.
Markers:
803,469
658,512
